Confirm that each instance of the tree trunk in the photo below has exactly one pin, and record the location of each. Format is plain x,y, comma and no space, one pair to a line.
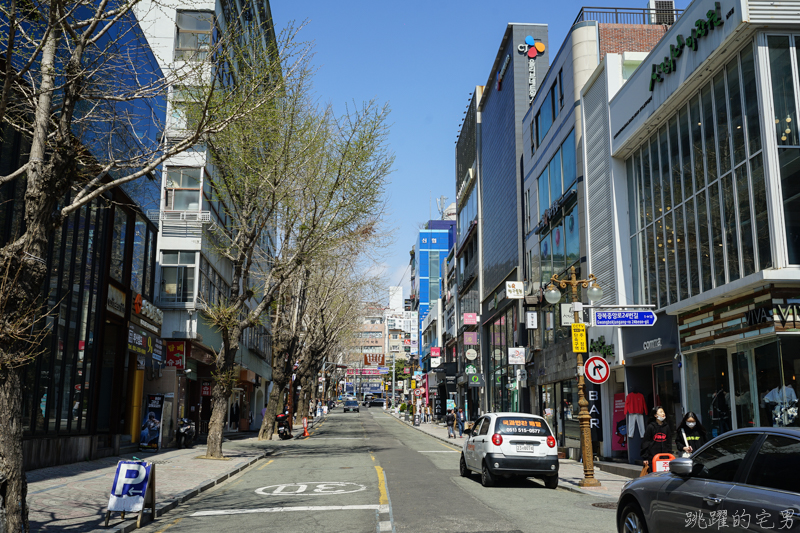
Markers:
219,408
273,405
304,399
13,484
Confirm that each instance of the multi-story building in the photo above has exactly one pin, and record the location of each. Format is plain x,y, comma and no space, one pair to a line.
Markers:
558,202
367,345
82,395
190,273
702,145
520,65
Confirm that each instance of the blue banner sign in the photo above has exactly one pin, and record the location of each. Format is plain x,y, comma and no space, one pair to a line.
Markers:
624,318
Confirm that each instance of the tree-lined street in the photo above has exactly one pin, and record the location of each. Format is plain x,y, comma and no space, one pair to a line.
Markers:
368,471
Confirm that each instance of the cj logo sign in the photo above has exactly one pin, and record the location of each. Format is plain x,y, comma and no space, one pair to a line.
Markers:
531,47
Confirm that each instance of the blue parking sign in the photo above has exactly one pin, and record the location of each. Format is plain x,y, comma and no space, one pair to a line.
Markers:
130,486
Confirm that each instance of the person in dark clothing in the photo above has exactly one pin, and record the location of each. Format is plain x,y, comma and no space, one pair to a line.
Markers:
695,433
450,420
657,438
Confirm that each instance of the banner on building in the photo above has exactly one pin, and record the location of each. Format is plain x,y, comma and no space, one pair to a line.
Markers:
619,442
470,338
150,437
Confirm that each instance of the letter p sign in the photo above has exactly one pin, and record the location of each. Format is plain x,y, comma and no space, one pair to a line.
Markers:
128,474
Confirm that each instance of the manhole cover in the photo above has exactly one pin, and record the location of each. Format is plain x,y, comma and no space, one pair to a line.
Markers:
605,505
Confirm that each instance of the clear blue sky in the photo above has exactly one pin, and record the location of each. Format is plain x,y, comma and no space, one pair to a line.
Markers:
423,59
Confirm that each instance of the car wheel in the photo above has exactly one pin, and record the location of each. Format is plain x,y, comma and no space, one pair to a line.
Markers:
551,482
462,467
487,479
631,520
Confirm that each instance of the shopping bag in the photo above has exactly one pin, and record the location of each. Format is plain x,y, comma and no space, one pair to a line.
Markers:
644,471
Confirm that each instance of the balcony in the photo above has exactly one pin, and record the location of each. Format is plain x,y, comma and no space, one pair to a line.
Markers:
160,215
629,15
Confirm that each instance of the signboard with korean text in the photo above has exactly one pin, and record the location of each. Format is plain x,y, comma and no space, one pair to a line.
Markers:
471,354
436,352
176,354
470,319
531,320
471,338
374,359
515,290
142,342
205,388
579,338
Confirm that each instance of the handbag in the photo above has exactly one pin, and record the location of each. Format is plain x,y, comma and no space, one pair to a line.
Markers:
686,441
645,471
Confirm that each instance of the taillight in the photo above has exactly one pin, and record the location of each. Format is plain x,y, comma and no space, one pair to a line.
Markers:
551,442
497,439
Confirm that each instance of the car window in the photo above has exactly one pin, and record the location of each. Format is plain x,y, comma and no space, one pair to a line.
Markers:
476,427
777,465
521,425
485,426
721,460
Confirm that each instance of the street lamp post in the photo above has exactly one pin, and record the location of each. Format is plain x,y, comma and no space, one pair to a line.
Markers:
553,296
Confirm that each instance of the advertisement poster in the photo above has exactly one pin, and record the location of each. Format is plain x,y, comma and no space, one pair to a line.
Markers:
620,441
150,438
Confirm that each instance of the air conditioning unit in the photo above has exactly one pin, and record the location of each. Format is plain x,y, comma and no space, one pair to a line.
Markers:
662,12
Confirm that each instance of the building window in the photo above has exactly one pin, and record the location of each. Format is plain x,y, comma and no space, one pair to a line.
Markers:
117,266
698,207
183,189
560,89
194,35
139,255
177,276
186,112
213,288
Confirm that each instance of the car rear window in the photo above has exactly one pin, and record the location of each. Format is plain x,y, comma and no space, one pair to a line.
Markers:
350,403
518,425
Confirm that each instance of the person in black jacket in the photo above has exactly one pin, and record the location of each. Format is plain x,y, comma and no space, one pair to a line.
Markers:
450,420
657,438
696,434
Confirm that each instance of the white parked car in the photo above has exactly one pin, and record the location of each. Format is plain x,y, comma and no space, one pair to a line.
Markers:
510,445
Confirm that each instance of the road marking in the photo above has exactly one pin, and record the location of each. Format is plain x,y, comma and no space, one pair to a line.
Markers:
170,525
320,488
379,508
384,500
342,438
384,526
266,464
439,451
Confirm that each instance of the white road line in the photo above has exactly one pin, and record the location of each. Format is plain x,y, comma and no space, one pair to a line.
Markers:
379,508
439,451
341,438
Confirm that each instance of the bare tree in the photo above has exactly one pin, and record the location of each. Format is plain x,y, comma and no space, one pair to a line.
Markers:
79,83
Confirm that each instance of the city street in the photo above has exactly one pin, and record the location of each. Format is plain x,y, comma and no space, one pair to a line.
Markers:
368,471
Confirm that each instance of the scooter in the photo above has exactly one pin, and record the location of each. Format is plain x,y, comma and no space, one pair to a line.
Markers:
284,431
186,433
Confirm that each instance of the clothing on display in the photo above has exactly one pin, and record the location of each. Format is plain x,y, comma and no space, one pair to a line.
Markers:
635,404
783,401
635,421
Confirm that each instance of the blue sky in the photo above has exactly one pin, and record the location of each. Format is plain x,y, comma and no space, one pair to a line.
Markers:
423,59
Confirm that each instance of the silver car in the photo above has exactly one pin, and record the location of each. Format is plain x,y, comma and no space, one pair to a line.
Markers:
510,445
744,480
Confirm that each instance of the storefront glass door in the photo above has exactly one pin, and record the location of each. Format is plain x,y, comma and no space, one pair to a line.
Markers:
744,389
664,388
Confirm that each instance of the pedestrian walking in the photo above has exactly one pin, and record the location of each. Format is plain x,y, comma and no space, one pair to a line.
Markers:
428,414
450,421
657,438
461,419
690,434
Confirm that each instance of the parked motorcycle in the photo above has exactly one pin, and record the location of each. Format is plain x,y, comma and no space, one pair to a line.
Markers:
186,433
284,430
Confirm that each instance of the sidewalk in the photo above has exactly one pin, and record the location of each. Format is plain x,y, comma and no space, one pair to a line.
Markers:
569,472
74,497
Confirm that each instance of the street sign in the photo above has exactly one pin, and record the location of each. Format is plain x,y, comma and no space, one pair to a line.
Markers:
383,369
579,338
134,488
418,392
625,318
596,370
471,354
406,370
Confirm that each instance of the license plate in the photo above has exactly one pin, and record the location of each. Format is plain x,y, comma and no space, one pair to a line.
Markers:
526,447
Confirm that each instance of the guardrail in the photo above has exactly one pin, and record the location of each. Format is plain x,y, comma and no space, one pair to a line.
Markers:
628,15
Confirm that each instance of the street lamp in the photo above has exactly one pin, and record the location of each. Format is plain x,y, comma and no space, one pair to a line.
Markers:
595,293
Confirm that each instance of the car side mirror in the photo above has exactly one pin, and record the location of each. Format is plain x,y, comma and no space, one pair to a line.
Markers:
468,431
683,466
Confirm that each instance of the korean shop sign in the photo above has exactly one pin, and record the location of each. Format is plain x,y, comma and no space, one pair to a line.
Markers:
702,27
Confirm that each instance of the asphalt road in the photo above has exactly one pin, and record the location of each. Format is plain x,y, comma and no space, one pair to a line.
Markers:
368,472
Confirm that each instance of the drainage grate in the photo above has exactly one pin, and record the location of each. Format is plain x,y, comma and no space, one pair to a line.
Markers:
605,505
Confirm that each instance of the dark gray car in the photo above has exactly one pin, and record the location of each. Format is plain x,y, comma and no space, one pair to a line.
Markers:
744,480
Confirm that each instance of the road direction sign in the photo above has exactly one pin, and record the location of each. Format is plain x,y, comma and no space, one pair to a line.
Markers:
579,338
596,370
625,318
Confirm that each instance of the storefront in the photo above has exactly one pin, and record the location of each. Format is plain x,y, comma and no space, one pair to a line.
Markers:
502,386
653,370
742,360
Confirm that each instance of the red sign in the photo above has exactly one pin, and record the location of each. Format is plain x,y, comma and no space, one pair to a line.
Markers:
407,342
406,370
176,353
596,370
436,352
205,388
470,319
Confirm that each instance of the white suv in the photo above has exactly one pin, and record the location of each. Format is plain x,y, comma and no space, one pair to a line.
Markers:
508,445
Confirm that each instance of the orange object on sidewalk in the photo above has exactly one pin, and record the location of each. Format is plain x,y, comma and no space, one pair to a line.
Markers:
661,462
305,428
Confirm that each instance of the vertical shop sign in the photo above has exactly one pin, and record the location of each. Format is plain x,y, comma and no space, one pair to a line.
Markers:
176,353
595,411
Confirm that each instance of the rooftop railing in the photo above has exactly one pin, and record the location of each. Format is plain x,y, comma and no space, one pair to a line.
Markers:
628,15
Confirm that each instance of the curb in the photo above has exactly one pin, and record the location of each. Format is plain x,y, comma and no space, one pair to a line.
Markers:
562,484
163,508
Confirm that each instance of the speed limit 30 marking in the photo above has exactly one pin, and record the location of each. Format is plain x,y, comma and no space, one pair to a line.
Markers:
311,488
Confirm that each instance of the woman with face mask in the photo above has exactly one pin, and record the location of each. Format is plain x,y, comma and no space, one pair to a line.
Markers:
690,434
657,438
